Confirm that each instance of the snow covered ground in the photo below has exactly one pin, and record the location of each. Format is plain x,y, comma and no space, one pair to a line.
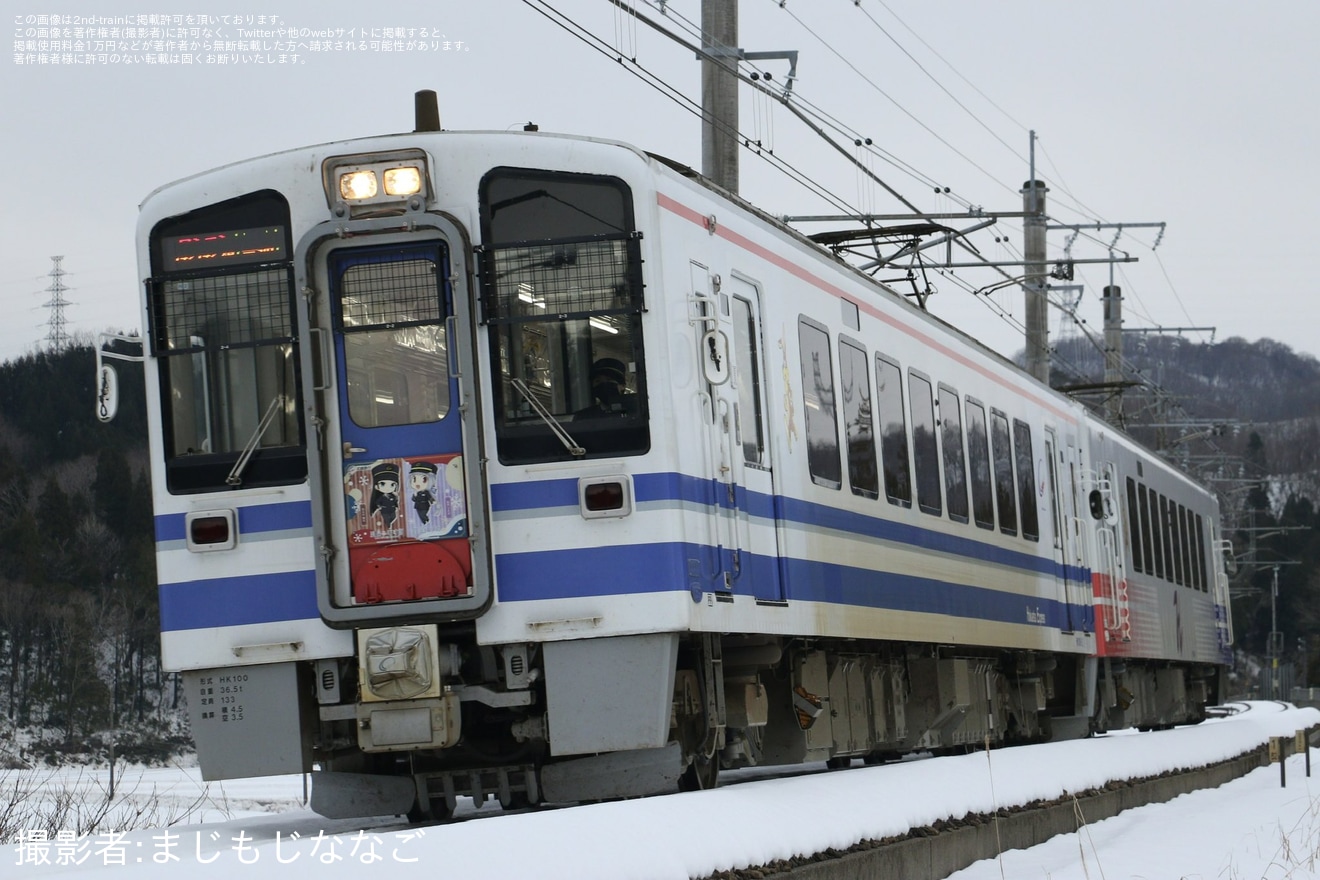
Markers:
1250,828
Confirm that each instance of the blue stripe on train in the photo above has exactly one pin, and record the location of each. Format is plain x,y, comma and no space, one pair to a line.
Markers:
234,601
618,571
657,568
678,487
254,519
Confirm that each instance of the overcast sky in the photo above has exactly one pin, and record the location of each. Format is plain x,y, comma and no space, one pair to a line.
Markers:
1200,114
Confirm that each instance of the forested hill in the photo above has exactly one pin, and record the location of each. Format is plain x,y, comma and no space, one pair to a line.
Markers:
1262,381
78,613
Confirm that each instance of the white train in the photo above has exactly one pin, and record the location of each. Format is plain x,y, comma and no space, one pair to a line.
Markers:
535,467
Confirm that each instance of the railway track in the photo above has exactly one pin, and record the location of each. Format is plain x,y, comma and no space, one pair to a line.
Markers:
913,819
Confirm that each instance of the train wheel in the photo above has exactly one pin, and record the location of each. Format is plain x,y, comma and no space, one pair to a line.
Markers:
518,800
436,811
700,775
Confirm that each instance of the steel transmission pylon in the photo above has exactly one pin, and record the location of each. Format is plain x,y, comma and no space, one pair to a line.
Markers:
57,336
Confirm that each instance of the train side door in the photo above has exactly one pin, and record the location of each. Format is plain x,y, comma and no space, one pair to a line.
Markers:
1075,541
402,517
756,508
740,476
1055,461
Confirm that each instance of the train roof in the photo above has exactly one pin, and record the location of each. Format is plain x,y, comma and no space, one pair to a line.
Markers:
682,172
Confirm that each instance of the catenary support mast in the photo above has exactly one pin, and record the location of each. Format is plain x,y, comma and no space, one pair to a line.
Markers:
719,92
1037,306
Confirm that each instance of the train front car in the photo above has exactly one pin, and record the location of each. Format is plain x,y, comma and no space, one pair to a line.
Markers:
1161,592
401,440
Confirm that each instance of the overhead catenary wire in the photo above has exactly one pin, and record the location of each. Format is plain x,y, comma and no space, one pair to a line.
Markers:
657,82
818,120
951,67
826,119
889,97
815,119
936,81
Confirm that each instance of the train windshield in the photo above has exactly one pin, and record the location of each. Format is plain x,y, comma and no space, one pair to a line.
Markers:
221,303
562,295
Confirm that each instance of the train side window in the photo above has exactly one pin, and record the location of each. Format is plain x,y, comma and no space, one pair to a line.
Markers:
1134,540
746,344
1170,561
1002,448
1177,512
1144,517
925,454
1151,502
1026,472
1201,579
1186,533
1174,544
855,389
955,465
978,459
818,398
893,431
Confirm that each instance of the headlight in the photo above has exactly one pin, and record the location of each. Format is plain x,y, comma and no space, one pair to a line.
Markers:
375,184
403,181
357,185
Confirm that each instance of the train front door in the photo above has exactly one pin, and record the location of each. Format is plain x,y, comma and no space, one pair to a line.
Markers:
403,514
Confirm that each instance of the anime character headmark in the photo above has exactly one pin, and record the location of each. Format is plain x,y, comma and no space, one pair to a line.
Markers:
385,492
421,486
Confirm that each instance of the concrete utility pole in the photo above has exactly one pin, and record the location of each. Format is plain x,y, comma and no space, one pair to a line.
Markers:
1033,251
719,92
1113,301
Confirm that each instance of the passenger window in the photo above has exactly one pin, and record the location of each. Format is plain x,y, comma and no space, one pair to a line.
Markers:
955,466
1170,561
893,432
855,389
1026,472
978,459
925,454
1134,538
1184,533
1150,521
1002,447
1201,580
818,398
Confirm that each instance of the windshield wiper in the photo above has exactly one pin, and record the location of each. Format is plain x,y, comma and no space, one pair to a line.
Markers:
235,477
537,407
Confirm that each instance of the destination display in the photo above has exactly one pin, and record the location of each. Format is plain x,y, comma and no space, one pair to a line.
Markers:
262,244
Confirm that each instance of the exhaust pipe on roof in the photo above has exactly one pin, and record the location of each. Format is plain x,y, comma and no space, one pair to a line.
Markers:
426,110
